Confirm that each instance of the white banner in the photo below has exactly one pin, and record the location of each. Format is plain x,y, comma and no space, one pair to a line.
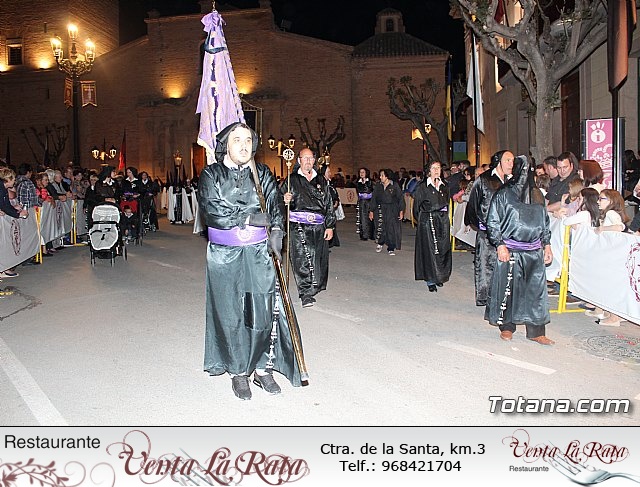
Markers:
458,229
18,239
348,196
605,270
557,234
55,222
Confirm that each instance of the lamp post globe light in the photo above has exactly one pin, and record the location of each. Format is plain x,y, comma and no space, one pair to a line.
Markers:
104,155
74,67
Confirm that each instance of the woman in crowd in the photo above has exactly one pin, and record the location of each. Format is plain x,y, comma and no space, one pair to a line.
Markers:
388,203
591,173
433,238
364,187
91,198
107,189
630,169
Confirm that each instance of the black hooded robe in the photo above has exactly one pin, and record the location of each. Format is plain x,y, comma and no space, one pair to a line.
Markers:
432,262
364,226
309,251
240,280
518,290
476,216
387,204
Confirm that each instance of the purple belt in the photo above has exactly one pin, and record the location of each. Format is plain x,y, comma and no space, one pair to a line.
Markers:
446,208
365,196
306,217
482,226
516,245
238,237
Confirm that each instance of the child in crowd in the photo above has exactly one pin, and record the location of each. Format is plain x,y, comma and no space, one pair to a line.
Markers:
542,182
570,201
129,224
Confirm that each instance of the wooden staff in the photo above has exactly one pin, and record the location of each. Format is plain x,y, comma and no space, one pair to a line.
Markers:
292,320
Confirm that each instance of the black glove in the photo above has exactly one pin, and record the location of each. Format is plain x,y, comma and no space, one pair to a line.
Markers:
275,243
260,219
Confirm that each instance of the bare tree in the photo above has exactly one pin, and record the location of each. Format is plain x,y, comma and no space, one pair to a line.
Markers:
54,139
552,38
408,102
323,141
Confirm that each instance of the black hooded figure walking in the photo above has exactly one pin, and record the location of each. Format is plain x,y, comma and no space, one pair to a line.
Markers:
364,187
433,235
520,231
246,328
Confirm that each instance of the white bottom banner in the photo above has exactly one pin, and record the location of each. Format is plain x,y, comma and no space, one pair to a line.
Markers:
314,457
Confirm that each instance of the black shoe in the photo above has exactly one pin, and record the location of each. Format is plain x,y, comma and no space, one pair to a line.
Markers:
267,382
439,284
33,262
307,302
240,386
433,288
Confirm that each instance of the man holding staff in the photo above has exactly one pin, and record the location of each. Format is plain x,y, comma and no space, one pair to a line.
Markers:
246,329
312,221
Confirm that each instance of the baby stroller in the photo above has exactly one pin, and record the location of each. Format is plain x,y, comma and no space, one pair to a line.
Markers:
105,240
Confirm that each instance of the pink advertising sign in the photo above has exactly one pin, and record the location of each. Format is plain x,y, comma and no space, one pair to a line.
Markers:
599,145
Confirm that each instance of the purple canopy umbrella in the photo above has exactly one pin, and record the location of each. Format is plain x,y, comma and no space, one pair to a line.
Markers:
219,104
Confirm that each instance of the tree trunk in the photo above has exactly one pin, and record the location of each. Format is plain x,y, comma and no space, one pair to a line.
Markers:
544,124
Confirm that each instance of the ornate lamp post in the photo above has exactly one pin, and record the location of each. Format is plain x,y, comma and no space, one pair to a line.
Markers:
281,146
74,66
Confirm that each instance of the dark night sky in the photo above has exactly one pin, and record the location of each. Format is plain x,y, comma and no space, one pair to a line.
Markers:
344,21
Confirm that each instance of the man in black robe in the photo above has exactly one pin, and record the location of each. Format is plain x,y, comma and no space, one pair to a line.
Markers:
476,216
312,221
520,231
246,328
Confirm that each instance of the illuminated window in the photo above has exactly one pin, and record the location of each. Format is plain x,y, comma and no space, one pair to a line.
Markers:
14,50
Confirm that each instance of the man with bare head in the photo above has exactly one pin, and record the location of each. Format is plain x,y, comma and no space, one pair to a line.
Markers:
312,221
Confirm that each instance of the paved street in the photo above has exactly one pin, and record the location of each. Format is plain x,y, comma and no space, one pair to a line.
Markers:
123,345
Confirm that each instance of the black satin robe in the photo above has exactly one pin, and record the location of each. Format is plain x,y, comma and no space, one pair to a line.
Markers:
241,280
387,204
309,252
364,226
476,213
524,275
432,262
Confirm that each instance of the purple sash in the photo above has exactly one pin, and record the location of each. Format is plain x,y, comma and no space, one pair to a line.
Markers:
238,237
515,245
365,196
306,217
445,208
482,226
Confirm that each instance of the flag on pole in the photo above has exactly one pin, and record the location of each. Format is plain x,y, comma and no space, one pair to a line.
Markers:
449,103
621,22
122,159
474,90
219,103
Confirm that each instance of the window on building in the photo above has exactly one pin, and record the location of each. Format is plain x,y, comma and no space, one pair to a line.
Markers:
14,48
390,25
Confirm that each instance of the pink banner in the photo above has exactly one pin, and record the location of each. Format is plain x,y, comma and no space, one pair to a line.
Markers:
599,145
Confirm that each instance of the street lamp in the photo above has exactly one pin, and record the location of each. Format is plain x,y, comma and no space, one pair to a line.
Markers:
281,146
102,155
74,66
